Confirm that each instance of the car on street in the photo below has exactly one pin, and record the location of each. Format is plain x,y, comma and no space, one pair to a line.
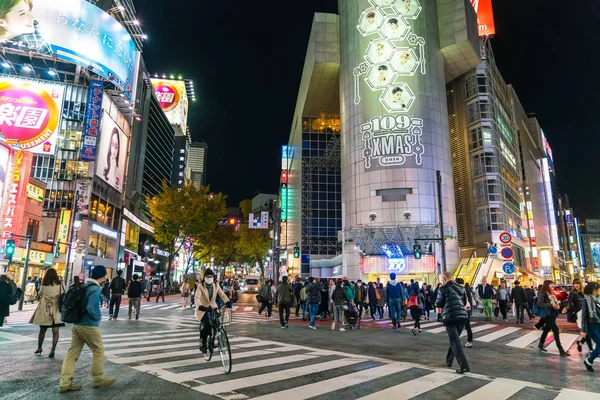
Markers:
252,284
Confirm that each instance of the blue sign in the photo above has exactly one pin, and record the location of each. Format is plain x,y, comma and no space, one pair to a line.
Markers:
508,268
507,252
493,250
91,127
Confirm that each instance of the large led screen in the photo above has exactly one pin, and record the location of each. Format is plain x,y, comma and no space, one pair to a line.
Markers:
30,114
74,31
485,17
173,100
111,154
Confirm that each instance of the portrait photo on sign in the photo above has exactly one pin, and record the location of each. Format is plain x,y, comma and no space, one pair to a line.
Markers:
19,27
112,154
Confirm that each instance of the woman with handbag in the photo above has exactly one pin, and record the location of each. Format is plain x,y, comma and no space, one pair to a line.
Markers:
380,294
574,306
185,293
47,314
416,303
549,308
590,321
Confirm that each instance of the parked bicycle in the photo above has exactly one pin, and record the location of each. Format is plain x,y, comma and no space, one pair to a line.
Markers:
218,319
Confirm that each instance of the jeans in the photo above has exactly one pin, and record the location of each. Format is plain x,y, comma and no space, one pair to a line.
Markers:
380,311
487,307
360,305
304,310
338,315
313,309
520,309
593,332
551,326
415,313
456,350
115,302
266,305
204,328
135,303
503,307
286,308
89,335
373,309
298,305
395,311
468,329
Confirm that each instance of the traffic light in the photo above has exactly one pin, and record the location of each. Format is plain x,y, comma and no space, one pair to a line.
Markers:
417,251
296,252
10,249
228,222
57,250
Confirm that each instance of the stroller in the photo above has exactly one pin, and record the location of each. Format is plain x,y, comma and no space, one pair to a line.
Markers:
351,315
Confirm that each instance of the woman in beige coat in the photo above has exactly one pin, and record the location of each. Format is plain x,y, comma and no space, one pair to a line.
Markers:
47,314
206,297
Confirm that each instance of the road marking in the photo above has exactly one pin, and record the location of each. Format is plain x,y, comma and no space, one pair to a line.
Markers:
525,340
415,387
12,338
498,334
183,343
248,308
331,385
387,321
256,380
192,335
197,361
145,334
173,306
570,394
566,339
498,389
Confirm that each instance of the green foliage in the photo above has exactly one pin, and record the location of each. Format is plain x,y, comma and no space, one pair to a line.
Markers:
253,245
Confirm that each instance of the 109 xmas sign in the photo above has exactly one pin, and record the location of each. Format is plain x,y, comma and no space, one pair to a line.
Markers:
392,140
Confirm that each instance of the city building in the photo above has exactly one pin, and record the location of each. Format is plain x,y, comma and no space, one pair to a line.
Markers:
197,162
246,207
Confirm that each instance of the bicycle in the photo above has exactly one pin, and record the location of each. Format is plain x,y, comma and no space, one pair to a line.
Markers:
218,318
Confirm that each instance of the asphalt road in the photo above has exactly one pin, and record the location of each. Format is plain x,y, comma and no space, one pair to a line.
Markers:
157,357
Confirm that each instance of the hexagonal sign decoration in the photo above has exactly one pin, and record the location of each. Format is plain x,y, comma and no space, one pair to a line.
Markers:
397,98
382,3
404,61
394,28
379,51
409,9
370,20
380,76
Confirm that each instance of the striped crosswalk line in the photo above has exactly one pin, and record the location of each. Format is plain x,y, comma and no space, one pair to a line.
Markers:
523,341
415,387
503,388
497,334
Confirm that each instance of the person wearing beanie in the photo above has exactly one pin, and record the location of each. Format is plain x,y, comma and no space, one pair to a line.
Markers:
395,295
87,332
206,299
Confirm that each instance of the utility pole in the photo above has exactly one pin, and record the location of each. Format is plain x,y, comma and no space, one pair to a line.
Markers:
25,268
442,237
276,233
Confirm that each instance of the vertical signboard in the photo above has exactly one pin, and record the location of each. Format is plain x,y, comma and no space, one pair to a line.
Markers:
172,98
84,192
16,191
62,235
485,17
91,128
264,220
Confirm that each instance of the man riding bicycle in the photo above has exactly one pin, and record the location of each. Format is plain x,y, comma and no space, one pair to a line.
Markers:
206,296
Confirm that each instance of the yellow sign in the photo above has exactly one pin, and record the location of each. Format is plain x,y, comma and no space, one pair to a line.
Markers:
62,235
35,257
35,192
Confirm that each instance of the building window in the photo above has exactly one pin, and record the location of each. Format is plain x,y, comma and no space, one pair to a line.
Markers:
482,221
33,228
393,194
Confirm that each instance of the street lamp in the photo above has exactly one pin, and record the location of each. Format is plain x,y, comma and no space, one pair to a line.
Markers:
147,246
75,227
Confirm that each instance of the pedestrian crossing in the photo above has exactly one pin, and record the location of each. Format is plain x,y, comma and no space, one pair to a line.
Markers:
270,370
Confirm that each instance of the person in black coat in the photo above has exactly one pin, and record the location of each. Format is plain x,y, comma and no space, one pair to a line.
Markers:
530,293
324,304
454,315
519,296
372,296
5,294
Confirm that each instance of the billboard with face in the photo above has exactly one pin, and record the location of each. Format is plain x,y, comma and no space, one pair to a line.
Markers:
112,153
485,17
172,98
30,113
74,31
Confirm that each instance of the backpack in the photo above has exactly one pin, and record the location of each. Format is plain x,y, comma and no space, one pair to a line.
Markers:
72,304
535,309
303,294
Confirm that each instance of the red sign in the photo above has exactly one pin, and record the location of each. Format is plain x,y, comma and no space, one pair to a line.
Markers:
16,191
284,176
507,253
485,17
533,242
167,95
505,238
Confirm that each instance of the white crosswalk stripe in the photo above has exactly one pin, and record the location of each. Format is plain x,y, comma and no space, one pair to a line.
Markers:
318,372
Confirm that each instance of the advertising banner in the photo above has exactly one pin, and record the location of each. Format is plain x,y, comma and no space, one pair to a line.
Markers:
173,100
485,17
64,224
35,192
112,153
84,191
4,154
91,128
74,31
30,114
18,178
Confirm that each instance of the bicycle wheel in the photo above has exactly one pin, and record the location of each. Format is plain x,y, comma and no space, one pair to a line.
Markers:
210,343
224,350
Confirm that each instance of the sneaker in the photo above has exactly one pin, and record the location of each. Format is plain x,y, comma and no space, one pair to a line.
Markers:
342,329
258,315
414,331
333,326
394,327
203,349
287,325
71,388
110,317
312,327
283,326
103,382
469,345
129,317
588,365
137,317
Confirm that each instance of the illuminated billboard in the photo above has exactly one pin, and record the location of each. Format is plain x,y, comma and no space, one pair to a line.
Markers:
30,113
112,153
485,17
74,31
4,154
173,100
17,180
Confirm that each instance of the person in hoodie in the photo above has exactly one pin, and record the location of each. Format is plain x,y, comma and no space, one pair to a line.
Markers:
87,332
395,296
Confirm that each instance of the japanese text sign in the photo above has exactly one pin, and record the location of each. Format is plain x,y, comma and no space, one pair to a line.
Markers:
92,121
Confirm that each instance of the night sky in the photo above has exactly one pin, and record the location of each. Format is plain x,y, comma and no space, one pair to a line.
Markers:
246,61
